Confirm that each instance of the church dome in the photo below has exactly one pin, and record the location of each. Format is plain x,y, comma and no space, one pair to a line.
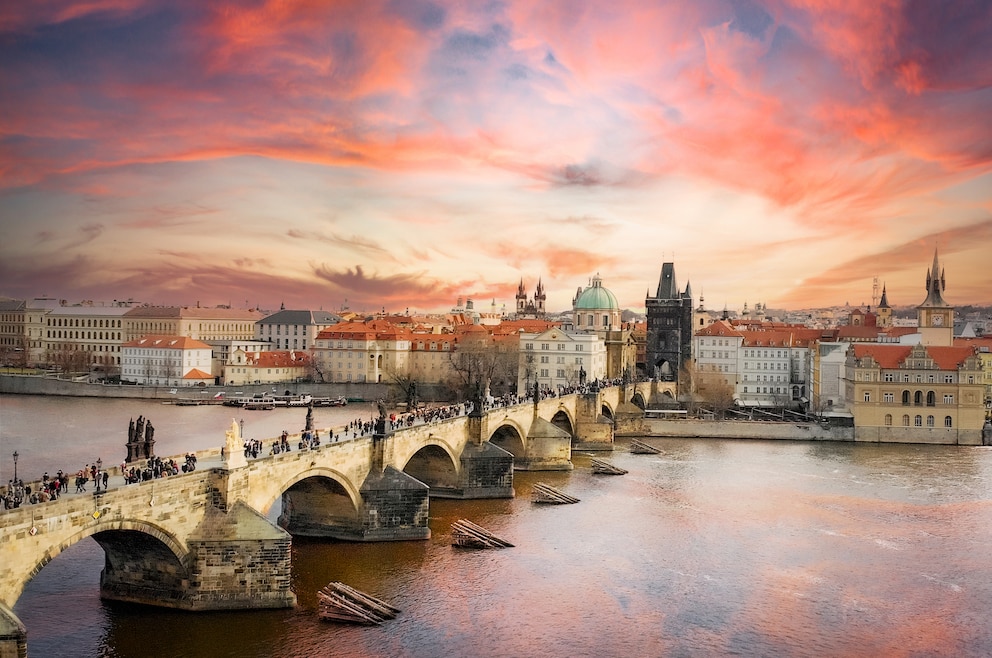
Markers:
596,297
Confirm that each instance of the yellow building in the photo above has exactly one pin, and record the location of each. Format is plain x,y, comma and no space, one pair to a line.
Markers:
916,394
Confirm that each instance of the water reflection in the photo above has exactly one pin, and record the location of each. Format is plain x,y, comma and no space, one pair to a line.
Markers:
709,548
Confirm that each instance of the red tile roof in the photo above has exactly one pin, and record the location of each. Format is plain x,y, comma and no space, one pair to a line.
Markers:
949,358
167,343
886,356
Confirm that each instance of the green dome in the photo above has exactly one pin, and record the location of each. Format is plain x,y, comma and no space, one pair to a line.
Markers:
597,298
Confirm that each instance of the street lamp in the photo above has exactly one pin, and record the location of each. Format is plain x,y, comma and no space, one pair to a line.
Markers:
99,464
15,465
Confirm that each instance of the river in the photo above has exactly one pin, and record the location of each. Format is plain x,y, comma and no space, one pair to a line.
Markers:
713,547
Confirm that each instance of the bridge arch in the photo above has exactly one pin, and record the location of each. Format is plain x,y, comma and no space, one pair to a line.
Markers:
638,401
607,410
318,502
563,419
510,437
127,544
264,500
434,465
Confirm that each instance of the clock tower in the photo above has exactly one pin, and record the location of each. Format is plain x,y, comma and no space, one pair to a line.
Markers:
935,317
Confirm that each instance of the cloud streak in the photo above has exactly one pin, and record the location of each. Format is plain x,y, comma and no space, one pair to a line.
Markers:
478,143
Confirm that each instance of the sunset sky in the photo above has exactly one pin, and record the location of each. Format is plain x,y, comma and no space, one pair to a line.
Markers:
403,153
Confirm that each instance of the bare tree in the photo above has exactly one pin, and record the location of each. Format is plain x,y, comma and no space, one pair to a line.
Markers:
715,391
69,358
314,367
480,363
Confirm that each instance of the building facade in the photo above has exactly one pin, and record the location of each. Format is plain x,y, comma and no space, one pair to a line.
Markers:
922,393
557,359
273,366
293,330
166,361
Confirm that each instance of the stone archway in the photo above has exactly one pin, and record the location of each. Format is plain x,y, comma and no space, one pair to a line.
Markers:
319,506
508,438
607,412
140,568
433,466
638,401
561,420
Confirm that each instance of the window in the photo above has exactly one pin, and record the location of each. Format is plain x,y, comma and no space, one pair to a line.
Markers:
527,346
918,421
905,398
918,398
947,421
931,398
905,421
929,421
888,397
888,419
948,398
888,377
948,379
867,396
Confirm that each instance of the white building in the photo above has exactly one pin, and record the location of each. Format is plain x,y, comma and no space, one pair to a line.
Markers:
556,358
293,330
767,367
166,361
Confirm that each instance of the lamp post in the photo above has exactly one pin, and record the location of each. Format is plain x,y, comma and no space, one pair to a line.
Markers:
99,464
15,465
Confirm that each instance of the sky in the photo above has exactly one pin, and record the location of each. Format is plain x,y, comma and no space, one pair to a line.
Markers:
400,154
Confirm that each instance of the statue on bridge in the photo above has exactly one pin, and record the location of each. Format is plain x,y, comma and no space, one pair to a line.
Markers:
380,427
140,440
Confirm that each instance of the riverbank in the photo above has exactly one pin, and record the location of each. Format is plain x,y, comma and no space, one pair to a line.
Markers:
44,385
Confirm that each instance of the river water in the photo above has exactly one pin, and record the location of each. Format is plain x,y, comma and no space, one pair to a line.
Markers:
713,547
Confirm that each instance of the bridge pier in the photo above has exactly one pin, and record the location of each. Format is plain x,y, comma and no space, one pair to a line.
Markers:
549,448
395,507
236,560
593,430
486,472
13,636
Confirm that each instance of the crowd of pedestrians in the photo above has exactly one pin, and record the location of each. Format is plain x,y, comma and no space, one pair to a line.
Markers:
51,488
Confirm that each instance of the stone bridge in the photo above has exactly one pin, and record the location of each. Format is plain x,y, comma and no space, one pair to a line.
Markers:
202,540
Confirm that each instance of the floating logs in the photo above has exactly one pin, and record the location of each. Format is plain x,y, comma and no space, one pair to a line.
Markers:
641,448
600,467
544,493
338,602
466,534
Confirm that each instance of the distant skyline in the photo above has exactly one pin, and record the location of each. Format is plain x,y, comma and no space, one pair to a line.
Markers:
404,153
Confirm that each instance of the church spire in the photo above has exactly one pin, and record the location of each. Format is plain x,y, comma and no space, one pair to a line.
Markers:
884,303
935,284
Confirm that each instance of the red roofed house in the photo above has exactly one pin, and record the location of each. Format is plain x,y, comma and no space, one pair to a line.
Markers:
916,393
931,392
372,351
245,367
166,361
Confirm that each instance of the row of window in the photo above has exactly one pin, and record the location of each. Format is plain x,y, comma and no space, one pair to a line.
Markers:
917,398
546,347
918,421
560,360
83,322
907,377
84,335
